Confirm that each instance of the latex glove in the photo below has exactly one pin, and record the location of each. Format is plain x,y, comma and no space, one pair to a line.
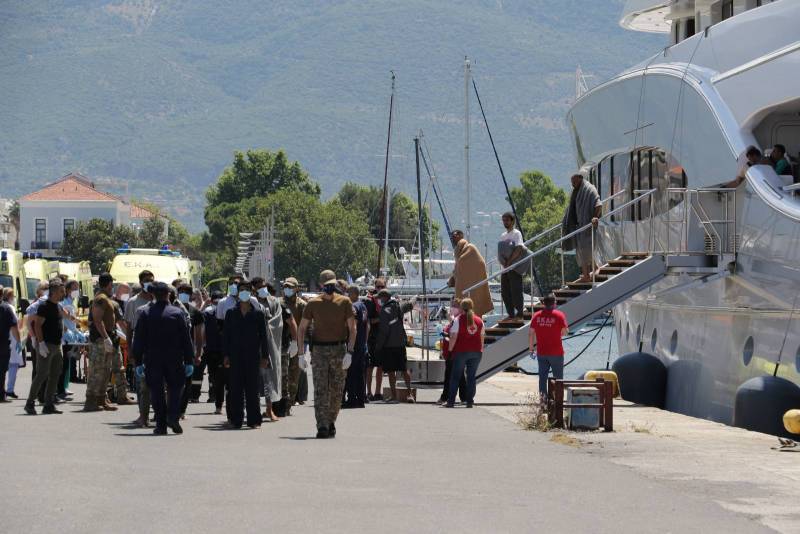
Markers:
18,347
108,345
301,361
347,360
532,355
44,352
188,370
293,348
140,371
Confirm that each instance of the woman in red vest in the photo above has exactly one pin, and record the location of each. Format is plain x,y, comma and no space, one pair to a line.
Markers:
466,344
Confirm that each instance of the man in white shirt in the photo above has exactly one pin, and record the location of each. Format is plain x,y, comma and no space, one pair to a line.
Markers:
509,251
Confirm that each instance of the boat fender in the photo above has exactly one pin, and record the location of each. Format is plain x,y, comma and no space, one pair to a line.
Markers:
642,378
762,402
791,421
608,376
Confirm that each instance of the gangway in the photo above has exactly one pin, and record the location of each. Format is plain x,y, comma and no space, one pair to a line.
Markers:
612,283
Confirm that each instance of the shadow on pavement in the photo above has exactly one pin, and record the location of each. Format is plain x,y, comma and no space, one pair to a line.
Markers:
298,438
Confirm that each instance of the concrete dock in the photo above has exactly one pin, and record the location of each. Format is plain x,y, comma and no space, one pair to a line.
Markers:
391,468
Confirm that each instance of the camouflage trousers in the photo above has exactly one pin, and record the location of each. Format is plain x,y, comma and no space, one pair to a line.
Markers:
99,370
326,366
290,376
118,375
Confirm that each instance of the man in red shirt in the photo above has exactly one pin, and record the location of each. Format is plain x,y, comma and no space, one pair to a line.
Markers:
547,328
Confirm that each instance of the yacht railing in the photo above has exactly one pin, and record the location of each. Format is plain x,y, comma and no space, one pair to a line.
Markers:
553,244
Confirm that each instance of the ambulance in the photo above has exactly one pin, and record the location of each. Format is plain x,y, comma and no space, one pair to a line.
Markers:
37,270
12,274
165,264
81,272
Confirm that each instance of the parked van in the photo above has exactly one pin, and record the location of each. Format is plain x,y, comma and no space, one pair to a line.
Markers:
37,270
12,274
165,264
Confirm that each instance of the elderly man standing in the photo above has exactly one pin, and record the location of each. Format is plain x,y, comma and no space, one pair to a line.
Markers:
584,207
332,344
469,270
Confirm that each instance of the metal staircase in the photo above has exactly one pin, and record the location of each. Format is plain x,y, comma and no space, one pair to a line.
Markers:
612,283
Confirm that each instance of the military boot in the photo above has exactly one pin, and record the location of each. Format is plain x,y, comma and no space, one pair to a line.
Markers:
123,399
91,404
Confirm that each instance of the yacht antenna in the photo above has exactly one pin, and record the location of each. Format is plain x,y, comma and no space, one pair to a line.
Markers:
467,75
581,87
383,251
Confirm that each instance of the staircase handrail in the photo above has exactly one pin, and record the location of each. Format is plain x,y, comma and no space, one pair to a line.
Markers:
547,247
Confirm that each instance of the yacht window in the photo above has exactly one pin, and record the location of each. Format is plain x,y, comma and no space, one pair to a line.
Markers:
673,342
611,185
727,9
689,27
599,179
654,339
676,37
747,351
628,331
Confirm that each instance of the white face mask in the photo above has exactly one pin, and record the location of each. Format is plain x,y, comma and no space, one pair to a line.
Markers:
74,295
46,294
288,292
263,293
233,289
124,297
184,297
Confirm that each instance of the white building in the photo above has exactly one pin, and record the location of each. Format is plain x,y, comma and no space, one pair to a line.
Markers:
47,214
8,234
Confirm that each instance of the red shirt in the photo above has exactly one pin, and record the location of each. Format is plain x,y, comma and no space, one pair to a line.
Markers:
469,337
548,325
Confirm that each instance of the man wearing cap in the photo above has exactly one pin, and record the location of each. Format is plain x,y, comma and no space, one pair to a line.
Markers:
163,349
290,370
548,326
104,345
332,343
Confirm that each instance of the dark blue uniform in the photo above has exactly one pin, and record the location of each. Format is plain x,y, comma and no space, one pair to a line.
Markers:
245,345
355,387
162,342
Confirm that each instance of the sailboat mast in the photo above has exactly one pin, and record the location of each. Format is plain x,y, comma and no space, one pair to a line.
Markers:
421,224
383,252
467,75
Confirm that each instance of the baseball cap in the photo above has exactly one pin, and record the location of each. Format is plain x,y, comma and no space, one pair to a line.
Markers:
327,277
291,282
384,293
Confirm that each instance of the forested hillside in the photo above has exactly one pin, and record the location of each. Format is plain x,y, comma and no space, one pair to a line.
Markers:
161,92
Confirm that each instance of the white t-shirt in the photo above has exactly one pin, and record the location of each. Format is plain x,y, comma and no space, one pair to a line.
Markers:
513,235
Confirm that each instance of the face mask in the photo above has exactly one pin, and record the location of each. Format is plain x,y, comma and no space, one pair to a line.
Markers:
124,297
288,292
329,289
74,295
263,293
233,289
46,294
244,296
147,286
184,297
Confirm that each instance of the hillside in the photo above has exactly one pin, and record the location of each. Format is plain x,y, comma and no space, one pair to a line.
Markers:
160,92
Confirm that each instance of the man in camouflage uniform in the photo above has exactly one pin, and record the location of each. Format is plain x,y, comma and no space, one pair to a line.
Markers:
332,343
104,346
290,368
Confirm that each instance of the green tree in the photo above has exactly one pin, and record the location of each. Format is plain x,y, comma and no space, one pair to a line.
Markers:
151,234
403,215
540,205
258,173
310,235
97,241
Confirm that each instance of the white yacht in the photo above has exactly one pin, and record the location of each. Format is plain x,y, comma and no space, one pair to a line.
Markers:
664,136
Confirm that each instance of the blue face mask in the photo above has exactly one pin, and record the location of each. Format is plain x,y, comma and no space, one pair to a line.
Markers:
244,296
233,289
329,289
184,297
263,293
288,292
147,286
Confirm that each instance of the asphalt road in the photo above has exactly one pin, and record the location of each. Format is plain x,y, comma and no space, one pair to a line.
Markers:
391,468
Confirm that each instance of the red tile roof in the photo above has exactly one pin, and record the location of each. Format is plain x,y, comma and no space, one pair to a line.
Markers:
138,212
73,186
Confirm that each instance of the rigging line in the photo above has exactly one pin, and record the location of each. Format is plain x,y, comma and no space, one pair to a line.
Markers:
610,339
639,108
505,182
436,192
432,175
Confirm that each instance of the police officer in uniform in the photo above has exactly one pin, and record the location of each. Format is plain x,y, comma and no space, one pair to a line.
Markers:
332,343
162,342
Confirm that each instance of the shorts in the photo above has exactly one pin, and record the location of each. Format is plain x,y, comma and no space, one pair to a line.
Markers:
393,359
